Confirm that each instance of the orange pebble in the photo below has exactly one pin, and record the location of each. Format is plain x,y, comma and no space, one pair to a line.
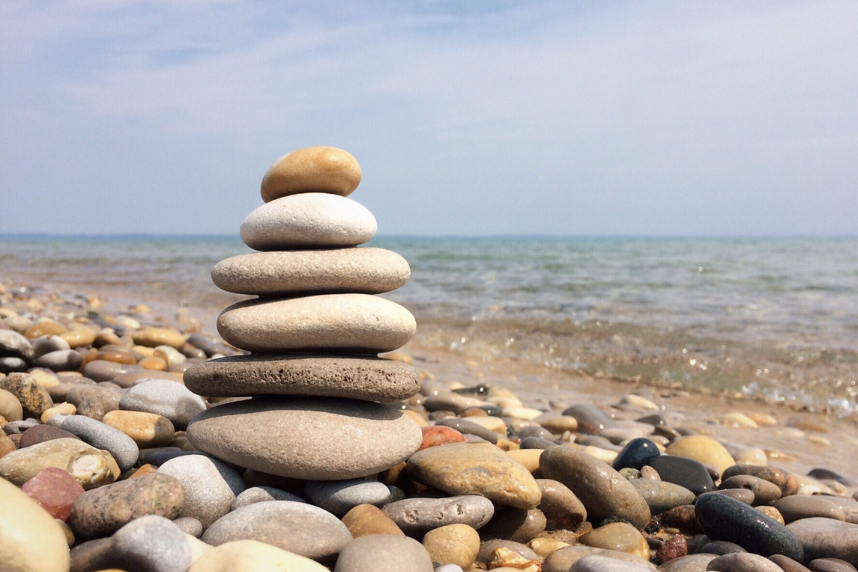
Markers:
439,435
146,469
153,363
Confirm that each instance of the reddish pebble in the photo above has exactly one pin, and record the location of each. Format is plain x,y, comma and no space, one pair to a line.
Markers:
55,490
439,435
41,433
7,445
676,547
146,469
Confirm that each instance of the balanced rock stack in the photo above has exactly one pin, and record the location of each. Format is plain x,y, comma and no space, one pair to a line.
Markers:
314,331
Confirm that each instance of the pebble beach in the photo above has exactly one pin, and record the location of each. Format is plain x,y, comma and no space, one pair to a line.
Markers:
319,426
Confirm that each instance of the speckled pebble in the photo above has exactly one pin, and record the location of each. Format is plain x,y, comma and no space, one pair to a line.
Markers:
339,497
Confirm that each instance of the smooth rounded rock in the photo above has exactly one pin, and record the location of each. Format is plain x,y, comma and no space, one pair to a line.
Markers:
636,454
786,482
489,547
561,507
101,512
10,407
60,360
34,399
13,344
262,494
703,449
516,524
438,435
684,472
166,398
253,556
55,490
384,553
356,377
210,486
723,518
43,433
102,436
417,516
300,528
827,538
619,536
597,563
85,463
147,430
151,544
103,370
590,419
743,562
307,438
469,427
367,270
369,519
563,559
154,337
830,565
30,538
312,169
662,496
765,493
602,490
691,563
796,507
189,526
453,544
355,322
339,497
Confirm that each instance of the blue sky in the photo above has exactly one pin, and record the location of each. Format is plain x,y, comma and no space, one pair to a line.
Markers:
468,118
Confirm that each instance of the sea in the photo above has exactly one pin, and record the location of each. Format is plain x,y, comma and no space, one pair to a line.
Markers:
771,317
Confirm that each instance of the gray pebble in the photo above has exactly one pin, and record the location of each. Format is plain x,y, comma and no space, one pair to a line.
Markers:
386,553
169,399
190,526
339,497
103,370
47,344
60,360
597,563
12,364
743,562
151,544
262,494
210,486
419,515
103,436
13,344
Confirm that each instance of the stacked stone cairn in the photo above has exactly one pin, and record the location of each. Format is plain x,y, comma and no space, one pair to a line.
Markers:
314,331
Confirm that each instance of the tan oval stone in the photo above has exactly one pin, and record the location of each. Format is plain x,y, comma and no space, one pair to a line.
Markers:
703,449
171,356
736,419
544,546
355,322
146,429
117,356
30,539
619,536
154,337
453,544
45,378
61,409
495,424
312,169
529,459
45,328
367,270
369,519
86,464
476,468
153,363
10,407
79,337
253,556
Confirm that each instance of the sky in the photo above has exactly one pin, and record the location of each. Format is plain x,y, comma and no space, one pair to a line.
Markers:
478,117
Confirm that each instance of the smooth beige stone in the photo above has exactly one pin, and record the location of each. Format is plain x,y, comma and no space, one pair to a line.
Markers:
604,455
619,536
355,322
154,337
495,424
529,458
312,169
772,513
703,449
86,464
312,220
253,556
632,400
525,413
364,270
736,419
453,544
763,419
30,539
545,546
170,355
79,337
558,424
10,407
61,409
146,429
367,519
751,456
45,378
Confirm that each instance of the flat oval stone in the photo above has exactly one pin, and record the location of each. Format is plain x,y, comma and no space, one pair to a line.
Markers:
662,496
765,493
438,435
597,563
830,565
384,553
743,562
262,494
590,418
827,538
468,427
210,486
636,454
799,506
10,407
367,270
453,544
253,556
103,511
367,519
55,490
300,528
684,472
13,344
151,544
102,436
781,478
561,507
166,398
339,497
416,516
60,360
310,220
356,377
476,468
600,488
42,433
691,563
723,518
30,538
147,430
619,536
703,449
104,370
312,169
563,559
33,398
516,524
154,337
306,437
355,322
85,463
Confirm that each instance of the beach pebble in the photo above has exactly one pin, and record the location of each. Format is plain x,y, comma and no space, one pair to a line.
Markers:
692,563
797,507
743,562
102,436
369,519
262,494
86,464
489,548
596,563
10,407
675,547
102,511
210,486
60,360
132,378
827,538
154,337
13,344
662,496
41,433
60,409
102,370
80,394
561,507
469,427
147,430
34,399
312,169
439,435
384,553
723,518
12,364
253,556
590,419
339,497
721,547
788,564
166,398
765,493
619,536
636,454
55,490
355,322
416,516
557,424
359,438
563,559
151,544
784,481
190,526
357,377
453,544
30,539
830,565
465,468
703,449
684,472
297,527
516,524
601,489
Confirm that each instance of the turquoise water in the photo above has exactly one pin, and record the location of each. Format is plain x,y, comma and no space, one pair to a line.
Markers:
772,316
